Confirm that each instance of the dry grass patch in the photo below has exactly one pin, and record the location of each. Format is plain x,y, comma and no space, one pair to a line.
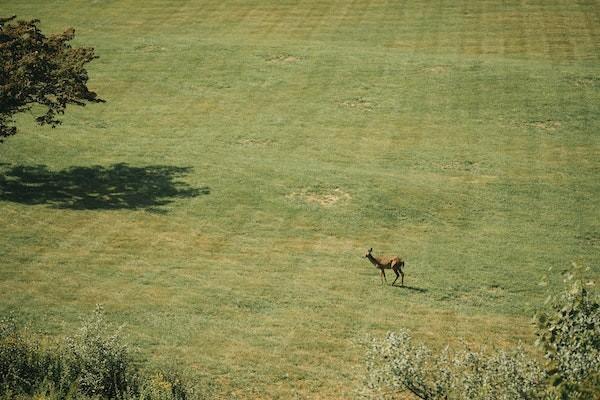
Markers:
324,199
358,103
283,59
149,48
547,125
587,81
251,141
436,69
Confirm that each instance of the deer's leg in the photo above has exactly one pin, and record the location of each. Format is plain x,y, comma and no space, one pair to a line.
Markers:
402,273
383,276
397,276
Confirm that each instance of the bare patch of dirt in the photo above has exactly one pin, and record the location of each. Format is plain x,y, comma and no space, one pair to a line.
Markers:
250,141
436,69
283,59
149,48
547,125
585,81
324,199
358,103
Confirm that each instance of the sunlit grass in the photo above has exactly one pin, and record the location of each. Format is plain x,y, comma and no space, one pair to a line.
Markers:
459,135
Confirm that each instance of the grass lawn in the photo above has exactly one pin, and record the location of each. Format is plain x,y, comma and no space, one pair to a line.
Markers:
221,201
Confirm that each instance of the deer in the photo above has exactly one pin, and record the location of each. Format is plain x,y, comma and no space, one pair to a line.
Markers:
383,263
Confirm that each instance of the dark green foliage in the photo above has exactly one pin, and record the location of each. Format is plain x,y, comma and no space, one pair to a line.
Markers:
569,335
35,69
21,360
94,363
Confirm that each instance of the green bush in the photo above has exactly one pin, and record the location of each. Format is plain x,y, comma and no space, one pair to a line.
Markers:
20,360
397,364
96,360
24,364
92,364
569,334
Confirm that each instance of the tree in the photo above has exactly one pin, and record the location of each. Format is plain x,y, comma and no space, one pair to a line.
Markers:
40,71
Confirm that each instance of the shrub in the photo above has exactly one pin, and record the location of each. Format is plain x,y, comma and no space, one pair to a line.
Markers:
92,364
396,364
96,360
569,334
22,363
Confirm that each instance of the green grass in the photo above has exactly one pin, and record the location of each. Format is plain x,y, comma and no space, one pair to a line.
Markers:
250,152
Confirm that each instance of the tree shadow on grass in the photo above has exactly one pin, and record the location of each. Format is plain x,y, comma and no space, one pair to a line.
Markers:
118,186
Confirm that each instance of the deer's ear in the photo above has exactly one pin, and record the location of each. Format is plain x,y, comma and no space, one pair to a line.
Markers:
370,250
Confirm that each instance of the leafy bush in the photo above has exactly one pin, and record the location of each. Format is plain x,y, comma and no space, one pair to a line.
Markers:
396,364
569,334
20,358
92,364
96,360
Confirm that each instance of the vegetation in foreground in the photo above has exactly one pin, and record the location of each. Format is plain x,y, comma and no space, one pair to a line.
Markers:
568,334
92,364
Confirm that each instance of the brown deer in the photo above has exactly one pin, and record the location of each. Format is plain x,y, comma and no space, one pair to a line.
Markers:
382,263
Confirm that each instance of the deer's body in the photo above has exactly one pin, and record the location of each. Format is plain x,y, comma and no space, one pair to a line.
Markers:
383,263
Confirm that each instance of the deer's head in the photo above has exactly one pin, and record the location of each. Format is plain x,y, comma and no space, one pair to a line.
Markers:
369,253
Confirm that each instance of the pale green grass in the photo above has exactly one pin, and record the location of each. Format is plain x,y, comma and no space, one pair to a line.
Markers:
460,135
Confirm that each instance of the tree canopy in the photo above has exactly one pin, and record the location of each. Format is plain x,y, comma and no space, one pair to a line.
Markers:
35,70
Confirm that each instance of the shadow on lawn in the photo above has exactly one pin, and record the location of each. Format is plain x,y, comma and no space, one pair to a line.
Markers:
118,186
413,288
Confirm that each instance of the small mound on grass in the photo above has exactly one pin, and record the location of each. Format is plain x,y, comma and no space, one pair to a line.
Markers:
547,125
253,141
325,199
358,103
283,59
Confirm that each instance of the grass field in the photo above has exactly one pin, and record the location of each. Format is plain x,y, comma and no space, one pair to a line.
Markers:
250,152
